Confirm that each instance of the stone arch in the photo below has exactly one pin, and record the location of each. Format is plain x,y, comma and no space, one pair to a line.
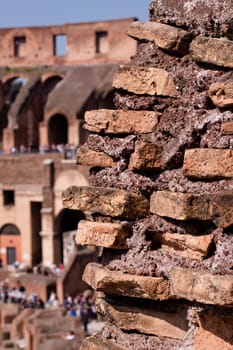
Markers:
9,229
57,130
50,75
10,243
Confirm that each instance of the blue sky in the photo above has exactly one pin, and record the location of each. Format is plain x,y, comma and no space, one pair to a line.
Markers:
25,13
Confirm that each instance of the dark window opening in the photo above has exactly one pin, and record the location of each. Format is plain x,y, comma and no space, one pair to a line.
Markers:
101,42
19,44
59,45
9,229
8,197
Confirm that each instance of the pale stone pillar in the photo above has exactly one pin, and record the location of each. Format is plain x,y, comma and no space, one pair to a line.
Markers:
8,139
47,236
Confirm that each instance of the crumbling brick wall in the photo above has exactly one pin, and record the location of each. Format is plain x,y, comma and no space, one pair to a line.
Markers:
161,186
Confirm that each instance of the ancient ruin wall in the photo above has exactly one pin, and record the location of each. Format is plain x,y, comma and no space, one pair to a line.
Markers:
161,186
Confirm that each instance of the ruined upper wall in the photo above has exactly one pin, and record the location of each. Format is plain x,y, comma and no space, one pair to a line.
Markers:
83,43
207,17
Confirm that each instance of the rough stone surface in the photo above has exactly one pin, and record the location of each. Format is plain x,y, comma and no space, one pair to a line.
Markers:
106,201
118,283
96,342
208,163
207,17
146,156
213,51
145,320
215,330
140,80
202,287
86,156
188,246
121,122
103,234
221,94
164,36
180,206
227,128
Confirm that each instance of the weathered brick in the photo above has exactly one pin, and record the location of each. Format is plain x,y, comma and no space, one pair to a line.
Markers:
103,234
204,163
146,320
221,209
146,156
227,128
180,206
106,201
121,122
215,331
118,283
221,94
202,286
214,51
164,36
186,245
88,157
143,80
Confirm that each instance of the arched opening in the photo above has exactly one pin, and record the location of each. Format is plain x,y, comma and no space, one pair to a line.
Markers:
9,90
10,243
58,130
66,227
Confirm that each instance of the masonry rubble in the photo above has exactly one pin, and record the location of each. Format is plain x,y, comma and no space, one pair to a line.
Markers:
160,186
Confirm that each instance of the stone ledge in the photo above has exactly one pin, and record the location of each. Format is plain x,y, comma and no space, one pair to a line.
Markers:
221,94
188,206
202,287
106,201
146,156
164,36
112,121
180,206
88,157
103,234
144,320
142,80
213,51
186,245
96,342
118,283
204,163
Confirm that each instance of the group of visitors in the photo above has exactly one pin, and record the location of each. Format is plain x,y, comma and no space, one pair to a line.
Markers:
83,306
17,294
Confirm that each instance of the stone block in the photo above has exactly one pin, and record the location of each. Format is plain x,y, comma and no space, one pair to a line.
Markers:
164,36
180,206
103,234
150,321
215,331
227,128
188,246
213,51
221,209
221,94
146,156
106,201
118,283
202,286
97,343
204,163
144,80
88,157
111,121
